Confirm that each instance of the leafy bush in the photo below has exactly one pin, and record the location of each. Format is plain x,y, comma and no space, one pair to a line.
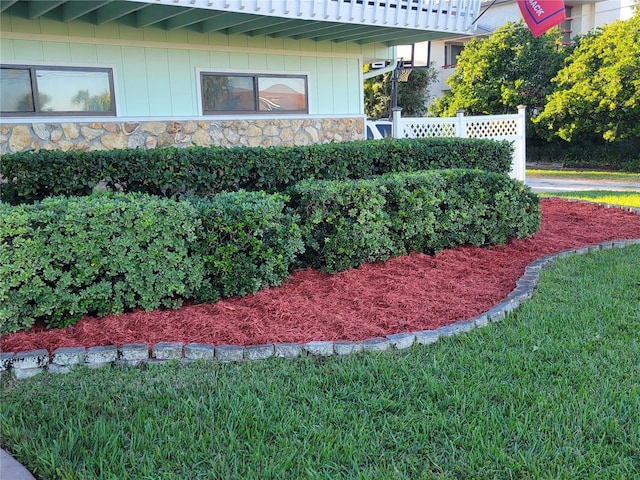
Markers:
205,171
483,208
344,224
247,243
67,257
348,223
587,153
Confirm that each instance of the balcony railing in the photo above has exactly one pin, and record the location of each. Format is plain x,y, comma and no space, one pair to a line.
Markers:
450,16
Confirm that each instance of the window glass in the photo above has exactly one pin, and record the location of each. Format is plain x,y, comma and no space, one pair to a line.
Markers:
73,91
15,90
31,90
223,93
455,51
253,93
282,93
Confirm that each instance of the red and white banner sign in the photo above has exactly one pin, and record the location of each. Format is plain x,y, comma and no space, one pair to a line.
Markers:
540,15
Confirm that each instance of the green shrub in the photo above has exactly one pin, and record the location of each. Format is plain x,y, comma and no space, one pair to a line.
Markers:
205,171
585,153
68,257
65,258
483,208
247,243
344,224
348,223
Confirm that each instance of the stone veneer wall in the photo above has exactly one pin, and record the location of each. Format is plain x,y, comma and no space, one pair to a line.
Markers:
107,135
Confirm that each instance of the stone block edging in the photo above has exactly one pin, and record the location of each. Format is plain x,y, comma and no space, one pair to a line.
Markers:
62,360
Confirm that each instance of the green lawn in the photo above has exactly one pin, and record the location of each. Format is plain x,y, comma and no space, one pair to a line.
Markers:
627,199
584,174
552,392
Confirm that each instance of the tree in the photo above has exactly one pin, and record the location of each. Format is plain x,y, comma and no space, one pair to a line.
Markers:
509,68
92,103
413,94
598,91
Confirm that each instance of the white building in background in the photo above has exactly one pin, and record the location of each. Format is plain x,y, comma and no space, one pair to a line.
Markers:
582,17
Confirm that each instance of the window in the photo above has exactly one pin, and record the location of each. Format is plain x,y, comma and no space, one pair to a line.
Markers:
26,90
242,93
451,52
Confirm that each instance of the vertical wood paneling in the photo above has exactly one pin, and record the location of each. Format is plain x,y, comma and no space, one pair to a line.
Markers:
159,88
258,62
292,63
310,64
6,50
326,90
339,80
52,27
29,50
57,52
275,62
136,82
155,79
182,81
218,60
83,53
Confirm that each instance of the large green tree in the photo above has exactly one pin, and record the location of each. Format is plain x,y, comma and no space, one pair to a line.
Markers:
598,91
413,94
509,68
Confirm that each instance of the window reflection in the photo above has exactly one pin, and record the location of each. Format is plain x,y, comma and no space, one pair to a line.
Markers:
34,90
15,90
225,93
277,93
253,93
73,91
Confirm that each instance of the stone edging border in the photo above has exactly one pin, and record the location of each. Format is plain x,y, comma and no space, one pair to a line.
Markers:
30,363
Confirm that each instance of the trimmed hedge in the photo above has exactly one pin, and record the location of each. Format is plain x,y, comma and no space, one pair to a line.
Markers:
246,242
205,171
348,223
65,258
622,155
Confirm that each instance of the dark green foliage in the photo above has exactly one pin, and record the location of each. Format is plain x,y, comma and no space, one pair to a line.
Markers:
348,223
205,171
596,93
247,243
498,73
484,208
67,257
345,224
623,155
413,95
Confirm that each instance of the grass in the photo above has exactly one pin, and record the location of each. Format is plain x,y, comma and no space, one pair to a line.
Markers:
584,174
551,392
627,199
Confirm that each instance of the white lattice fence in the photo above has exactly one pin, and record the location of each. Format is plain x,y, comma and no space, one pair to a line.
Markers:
497,127
438,128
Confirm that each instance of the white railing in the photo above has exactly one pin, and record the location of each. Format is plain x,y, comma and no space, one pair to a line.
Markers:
436,15
497,127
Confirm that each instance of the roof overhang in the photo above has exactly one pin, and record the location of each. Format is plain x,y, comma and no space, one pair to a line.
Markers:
391,22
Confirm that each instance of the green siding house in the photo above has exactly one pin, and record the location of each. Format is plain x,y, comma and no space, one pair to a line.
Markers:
102,74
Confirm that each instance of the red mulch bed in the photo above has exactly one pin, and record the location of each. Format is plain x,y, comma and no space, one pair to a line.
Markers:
410,293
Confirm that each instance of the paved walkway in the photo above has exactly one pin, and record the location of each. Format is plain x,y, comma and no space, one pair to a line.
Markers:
10,469
551,184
